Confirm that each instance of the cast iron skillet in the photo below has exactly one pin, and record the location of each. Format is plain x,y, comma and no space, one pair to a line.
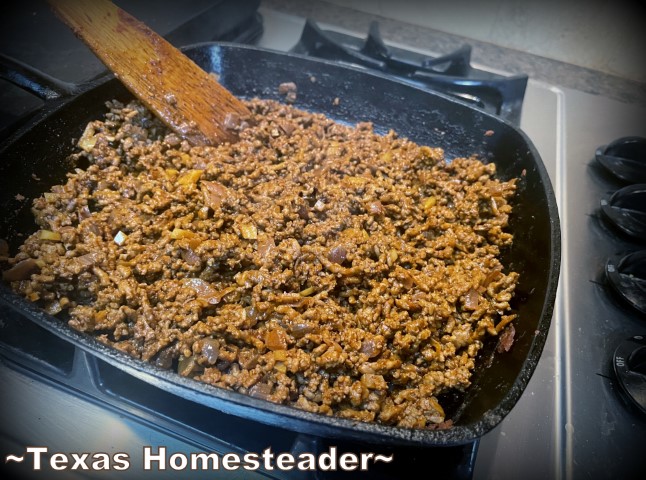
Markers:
34,158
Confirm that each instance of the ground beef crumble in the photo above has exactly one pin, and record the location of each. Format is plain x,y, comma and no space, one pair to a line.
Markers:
312,264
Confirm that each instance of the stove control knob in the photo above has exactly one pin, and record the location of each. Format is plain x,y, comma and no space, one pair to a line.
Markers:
627,276
625,158
630,368
637,361
626,209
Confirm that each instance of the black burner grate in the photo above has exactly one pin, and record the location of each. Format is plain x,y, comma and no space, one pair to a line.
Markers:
450,74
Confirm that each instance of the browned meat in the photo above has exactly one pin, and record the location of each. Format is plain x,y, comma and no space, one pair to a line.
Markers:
312,264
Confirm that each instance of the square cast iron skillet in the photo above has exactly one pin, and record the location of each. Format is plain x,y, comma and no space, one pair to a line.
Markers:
41,145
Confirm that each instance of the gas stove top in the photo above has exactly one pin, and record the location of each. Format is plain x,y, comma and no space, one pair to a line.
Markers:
574,420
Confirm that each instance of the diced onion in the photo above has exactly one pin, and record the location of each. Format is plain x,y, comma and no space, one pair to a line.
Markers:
189,178
471,299
280,355
276,339
429,203
49,235
88,139
280,366
186,366
120,238
266,245
337,254
21,270
211,350
260,390
205,291
214,194
376,208
249,231
299,330
307,291
178,233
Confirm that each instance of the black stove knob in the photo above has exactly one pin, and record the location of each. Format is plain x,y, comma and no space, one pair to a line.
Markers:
625,158
627,276
637,361
630,368
626,209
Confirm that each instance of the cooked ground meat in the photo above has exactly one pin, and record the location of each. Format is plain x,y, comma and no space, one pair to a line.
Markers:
312,264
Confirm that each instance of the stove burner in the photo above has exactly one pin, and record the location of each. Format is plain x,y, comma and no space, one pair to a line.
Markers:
626,209
451,74
630,368
627,276
625,158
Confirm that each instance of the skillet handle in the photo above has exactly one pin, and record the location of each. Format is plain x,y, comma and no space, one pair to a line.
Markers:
34,81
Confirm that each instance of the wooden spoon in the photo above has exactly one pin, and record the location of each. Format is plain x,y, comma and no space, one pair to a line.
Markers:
186,98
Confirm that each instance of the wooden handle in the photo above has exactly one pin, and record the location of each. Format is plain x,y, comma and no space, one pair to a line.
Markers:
186,98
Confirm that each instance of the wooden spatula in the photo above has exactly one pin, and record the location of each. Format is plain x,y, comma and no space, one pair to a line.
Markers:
186,98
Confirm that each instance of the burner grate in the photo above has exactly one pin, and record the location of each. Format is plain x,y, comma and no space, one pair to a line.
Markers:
450,74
